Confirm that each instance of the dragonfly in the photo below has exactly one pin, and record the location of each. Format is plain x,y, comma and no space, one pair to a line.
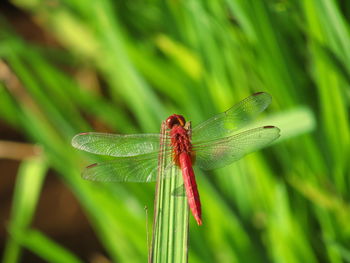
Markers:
214,143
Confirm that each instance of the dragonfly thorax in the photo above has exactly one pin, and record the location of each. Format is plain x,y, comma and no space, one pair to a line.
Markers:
180,142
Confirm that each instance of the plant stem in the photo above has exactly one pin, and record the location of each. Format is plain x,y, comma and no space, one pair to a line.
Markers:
170,231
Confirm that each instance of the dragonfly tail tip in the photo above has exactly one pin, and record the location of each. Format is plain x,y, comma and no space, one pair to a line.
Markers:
199,221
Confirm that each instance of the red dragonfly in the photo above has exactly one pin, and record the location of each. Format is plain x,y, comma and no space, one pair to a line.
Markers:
212,144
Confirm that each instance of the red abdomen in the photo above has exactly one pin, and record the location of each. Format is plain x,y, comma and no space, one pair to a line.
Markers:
191,186
182,151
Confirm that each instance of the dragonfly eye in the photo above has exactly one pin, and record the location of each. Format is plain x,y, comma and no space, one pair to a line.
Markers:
175,120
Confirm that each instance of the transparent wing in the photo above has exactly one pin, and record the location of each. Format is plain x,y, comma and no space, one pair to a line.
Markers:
223,124
221,152
115,144
141,168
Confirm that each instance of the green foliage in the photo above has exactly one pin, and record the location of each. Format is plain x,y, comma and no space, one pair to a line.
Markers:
124,66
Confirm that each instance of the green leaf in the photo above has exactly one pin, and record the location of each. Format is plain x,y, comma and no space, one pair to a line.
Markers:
170,230
30,178
46,248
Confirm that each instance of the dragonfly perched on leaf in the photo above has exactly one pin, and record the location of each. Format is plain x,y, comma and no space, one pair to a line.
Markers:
212,144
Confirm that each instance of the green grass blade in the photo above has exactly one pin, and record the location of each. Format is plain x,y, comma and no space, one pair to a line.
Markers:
170,230
45,248
27,190
303,120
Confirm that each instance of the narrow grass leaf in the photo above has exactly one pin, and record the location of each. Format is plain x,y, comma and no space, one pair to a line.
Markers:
170,230
45,248
27,190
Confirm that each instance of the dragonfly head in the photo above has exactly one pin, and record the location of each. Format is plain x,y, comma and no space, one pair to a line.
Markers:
175,120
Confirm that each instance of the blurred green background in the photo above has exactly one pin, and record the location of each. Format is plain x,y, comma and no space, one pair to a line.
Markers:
123,67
